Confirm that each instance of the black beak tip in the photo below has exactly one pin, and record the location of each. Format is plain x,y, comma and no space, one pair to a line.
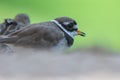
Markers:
83,34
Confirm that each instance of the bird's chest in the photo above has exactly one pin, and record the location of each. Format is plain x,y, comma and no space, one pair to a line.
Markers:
62,45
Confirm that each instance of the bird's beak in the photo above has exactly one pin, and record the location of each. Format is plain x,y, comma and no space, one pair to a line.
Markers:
81,33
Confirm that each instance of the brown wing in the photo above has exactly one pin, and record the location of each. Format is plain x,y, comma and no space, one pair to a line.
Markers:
36,35
39,35
19,34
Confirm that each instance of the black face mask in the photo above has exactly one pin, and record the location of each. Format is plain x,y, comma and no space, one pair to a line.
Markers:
69,40
70,26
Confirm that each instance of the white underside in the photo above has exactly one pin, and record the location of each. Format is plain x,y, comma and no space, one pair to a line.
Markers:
61,46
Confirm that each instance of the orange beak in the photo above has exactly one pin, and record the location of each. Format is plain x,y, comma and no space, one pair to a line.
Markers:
81,33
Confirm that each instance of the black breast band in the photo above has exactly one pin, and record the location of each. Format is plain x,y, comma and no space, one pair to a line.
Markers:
69,39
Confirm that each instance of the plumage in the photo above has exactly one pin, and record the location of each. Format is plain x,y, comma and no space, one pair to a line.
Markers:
44,35
11,25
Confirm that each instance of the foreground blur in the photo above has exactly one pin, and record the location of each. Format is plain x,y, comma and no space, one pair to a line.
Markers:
35,65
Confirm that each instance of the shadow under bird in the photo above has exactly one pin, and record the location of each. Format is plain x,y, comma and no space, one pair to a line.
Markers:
58,33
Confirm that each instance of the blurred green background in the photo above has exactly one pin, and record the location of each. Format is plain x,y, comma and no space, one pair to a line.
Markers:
99,19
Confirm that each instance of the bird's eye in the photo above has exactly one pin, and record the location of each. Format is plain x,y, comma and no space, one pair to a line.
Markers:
70,25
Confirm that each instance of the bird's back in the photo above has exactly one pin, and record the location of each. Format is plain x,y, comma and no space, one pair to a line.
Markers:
45,34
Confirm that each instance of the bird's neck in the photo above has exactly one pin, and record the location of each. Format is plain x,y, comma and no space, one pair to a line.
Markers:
69,36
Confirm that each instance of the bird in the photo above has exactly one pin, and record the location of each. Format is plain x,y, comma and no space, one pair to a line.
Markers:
57,33
11,25
23,19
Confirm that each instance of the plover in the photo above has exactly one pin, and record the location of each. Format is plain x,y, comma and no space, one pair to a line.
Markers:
58,33
11,25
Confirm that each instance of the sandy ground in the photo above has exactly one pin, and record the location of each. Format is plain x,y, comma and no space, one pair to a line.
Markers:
43,65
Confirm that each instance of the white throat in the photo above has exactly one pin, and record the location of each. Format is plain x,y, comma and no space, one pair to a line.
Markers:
71,34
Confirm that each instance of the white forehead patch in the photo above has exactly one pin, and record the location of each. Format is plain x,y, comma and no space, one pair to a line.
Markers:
75,26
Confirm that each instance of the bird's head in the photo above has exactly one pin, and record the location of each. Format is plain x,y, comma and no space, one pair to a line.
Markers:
22,18
70,25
